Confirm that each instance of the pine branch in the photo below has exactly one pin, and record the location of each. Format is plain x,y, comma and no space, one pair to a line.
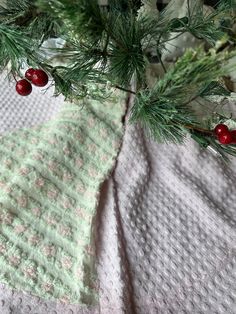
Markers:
35,24
17,12
15,46
211,141
16,7
82,19
207,26
107,46
125,49
163,111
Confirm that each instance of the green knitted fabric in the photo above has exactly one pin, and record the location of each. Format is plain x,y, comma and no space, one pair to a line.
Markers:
49,185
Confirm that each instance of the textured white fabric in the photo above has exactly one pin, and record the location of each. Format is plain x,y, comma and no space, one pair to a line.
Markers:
168,231
17,112
13,302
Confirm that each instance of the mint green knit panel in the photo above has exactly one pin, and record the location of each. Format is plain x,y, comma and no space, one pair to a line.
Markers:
49,185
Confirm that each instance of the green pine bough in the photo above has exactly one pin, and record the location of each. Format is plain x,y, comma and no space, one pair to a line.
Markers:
108,44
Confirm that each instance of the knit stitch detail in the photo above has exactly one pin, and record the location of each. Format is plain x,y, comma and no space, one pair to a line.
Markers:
49,183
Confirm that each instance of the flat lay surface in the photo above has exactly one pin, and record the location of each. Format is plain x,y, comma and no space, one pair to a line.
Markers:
96,217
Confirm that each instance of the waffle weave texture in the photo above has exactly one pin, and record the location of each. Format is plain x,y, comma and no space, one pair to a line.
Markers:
167,231
49,182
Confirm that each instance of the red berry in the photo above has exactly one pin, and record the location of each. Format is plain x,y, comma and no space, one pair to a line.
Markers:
39,78
29,73
221,129
225,138
23,87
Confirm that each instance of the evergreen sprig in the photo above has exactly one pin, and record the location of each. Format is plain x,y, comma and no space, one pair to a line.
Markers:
15,46
207,25
25,15
15,9
164,110
82,19
109,45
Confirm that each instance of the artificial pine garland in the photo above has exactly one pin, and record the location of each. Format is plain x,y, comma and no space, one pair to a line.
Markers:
110,44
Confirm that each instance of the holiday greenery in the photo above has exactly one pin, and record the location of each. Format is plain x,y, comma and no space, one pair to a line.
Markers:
110,45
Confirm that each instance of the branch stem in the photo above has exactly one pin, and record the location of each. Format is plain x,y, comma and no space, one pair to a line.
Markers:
124,89
161,62
198,129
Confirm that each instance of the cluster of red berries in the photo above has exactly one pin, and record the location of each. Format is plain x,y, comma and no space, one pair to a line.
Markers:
36,77
225,136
